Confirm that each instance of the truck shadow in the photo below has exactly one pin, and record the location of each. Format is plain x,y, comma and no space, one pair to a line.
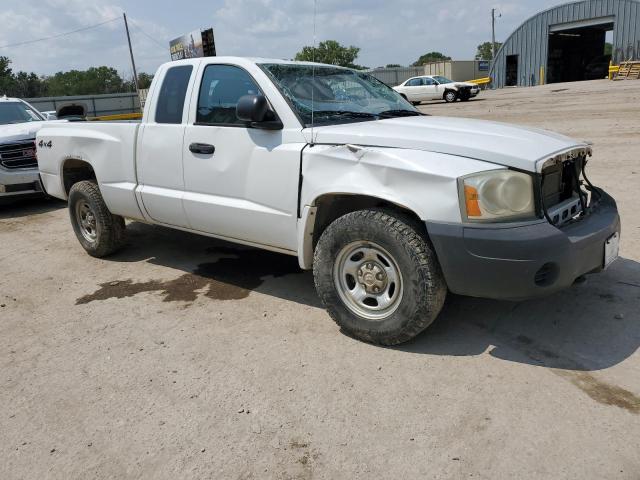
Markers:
591,326
213,268
25,207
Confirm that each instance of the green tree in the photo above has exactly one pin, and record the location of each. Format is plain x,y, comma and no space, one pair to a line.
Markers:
484,51
330,52
393,65
94,81
21,84
430,57
29,85
144,80
608,48
6,77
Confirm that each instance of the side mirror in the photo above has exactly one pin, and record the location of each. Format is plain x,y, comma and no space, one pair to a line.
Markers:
254,109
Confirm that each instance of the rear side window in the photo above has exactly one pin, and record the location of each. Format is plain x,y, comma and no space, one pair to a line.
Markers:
222,86
172,93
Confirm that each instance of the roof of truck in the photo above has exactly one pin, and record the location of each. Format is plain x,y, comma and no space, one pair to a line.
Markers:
256,60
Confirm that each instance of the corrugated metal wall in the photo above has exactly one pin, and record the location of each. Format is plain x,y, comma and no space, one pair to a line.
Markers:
530,41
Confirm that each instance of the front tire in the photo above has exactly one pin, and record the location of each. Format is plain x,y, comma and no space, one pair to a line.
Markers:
99,231
450,96
378,276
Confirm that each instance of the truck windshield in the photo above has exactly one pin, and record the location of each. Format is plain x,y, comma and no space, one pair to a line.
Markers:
17,112
339,95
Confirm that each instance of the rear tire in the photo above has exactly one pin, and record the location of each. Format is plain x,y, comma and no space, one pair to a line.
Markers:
99,231
450,96
378,276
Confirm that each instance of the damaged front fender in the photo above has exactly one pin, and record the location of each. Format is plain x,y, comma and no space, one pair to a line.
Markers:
422,182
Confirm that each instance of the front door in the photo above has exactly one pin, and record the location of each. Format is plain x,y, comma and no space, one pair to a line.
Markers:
431,88
240,182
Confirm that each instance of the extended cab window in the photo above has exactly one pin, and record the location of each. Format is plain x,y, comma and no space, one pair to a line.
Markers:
222,86
171,98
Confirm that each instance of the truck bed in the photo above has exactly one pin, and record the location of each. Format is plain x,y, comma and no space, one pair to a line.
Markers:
108,147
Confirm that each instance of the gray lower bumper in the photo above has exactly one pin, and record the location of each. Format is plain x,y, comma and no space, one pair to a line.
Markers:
19,182
524,261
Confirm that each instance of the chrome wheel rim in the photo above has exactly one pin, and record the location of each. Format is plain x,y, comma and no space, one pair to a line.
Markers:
86,220
368,280
451,97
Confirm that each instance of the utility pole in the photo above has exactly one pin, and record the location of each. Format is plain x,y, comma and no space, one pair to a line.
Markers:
493,35
133,63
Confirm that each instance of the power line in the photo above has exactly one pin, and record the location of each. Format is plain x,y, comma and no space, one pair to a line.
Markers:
135,24
27,42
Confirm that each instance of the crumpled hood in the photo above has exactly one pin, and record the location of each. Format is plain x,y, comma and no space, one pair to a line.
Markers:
499,143
16,132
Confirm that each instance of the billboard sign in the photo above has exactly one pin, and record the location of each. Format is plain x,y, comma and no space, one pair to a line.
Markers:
483,65
192,45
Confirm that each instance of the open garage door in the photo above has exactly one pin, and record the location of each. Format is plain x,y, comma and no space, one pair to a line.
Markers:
577,51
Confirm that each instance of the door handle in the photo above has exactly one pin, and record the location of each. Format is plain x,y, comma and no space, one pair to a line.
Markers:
202,148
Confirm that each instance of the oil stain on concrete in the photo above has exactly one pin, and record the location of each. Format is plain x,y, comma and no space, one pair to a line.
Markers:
598,390
228,278
602,392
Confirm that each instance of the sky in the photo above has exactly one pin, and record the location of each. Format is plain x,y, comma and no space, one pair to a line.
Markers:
396,31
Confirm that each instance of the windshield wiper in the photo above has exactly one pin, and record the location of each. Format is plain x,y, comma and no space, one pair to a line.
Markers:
400,113
345,113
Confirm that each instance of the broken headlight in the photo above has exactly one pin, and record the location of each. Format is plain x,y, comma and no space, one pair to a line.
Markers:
497,196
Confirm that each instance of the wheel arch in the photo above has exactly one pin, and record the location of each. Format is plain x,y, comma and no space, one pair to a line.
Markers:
327,207
74,170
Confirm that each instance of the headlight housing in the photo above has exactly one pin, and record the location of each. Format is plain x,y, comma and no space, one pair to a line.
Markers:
497,196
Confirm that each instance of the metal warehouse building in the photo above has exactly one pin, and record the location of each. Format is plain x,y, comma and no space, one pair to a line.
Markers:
566,43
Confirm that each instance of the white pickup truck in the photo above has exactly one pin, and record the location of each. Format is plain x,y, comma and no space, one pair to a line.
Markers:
390,207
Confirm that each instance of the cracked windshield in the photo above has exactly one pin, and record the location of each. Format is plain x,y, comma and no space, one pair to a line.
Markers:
338,95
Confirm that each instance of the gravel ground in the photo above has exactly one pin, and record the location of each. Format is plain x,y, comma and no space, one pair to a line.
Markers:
184,357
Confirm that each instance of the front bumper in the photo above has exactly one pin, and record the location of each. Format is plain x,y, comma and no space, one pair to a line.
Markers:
19,182
525,261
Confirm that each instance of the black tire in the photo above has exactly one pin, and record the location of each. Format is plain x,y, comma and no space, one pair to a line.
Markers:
423,288
450,96
108,230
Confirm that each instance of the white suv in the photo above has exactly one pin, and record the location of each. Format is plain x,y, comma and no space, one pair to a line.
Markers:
436,87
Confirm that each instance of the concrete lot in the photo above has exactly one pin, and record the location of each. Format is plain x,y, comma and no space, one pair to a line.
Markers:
182,357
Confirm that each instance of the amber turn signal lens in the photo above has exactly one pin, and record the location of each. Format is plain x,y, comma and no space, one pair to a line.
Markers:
471,201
